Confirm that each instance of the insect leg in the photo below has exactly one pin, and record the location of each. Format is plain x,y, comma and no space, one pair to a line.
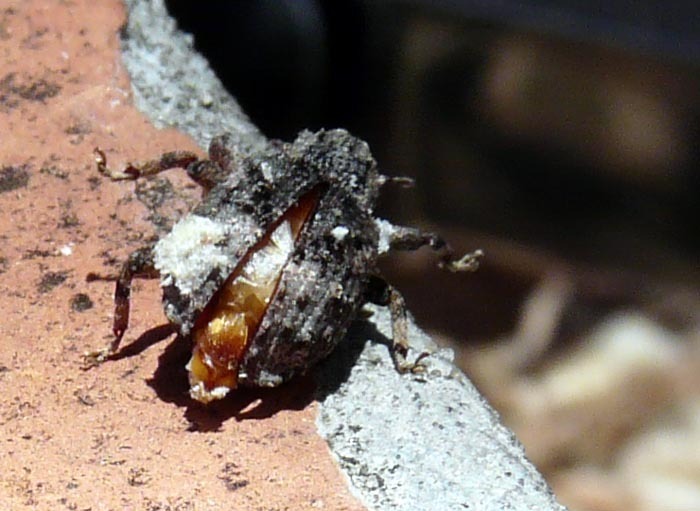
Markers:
410,238
203,172
139,264
381,292
405,181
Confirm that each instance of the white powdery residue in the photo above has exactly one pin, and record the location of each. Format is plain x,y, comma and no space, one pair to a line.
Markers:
266,264
340,232
189,252
268,379
266,170
199,392
353,181
282,237
386,230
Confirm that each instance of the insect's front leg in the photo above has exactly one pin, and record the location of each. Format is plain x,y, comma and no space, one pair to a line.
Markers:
139,264
410,238
381,292
205,173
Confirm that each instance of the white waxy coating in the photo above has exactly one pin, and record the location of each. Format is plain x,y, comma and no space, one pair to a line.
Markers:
340,232
266,264
266,170
189,252
386,231
199,392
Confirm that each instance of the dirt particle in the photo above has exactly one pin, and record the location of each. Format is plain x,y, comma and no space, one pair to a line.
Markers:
108,259
78,130
34,40
6,34
170,505
231,475
53,170
35,252
138,477
80,302
13,177
6,92
163,202
51,279
37,90
153,193
84,398
68,217
94,182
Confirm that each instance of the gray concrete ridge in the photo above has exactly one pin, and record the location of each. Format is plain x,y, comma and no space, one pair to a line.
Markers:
405,442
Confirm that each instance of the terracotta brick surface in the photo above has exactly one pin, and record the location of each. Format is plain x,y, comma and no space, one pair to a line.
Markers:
124,435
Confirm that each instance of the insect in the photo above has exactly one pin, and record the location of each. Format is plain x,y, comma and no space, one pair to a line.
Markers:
266,274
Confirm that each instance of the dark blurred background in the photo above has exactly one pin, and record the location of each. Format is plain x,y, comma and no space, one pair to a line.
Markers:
560,137
568,126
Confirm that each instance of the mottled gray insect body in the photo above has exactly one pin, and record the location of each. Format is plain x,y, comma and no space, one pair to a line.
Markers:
295,219
321,286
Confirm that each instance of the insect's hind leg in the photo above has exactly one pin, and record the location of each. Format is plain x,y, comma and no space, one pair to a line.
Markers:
138,265
410,238
381,292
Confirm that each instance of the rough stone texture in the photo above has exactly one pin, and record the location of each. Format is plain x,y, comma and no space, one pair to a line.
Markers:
406,442
124,436
174,85
420,442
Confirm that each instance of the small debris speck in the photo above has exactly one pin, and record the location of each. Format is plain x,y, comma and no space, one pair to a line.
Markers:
51,279
39,90
231,475
84,398
69,219
77,131
13,178
81,302
138,477
94,182
12,92
35,252
52,170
